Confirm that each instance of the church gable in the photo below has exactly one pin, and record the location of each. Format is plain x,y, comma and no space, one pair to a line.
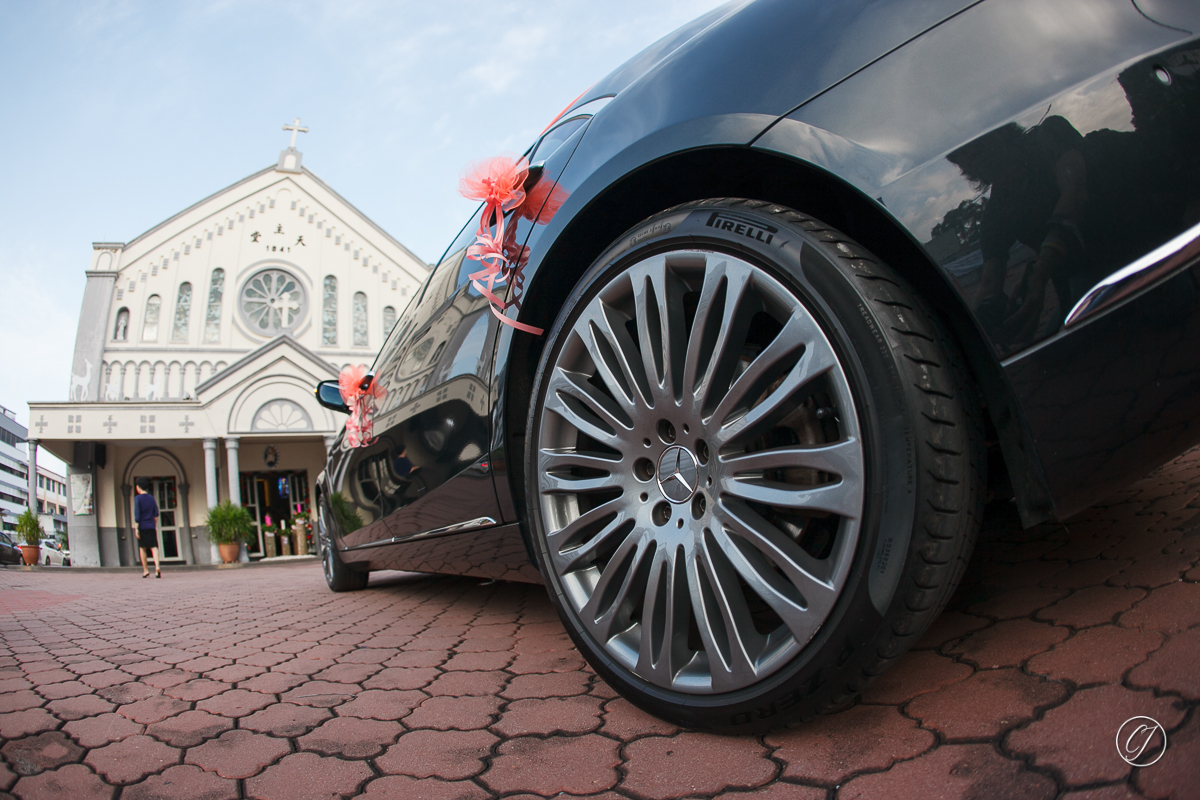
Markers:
276,254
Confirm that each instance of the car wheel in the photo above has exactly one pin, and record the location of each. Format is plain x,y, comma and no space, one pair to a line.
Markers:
338,576
47,561
758,466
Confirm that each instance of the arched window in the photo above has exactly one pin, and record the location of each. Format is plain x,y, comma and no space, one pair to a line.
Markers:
360,319
329,311
212,315
183,313
389,320
121,331
150,323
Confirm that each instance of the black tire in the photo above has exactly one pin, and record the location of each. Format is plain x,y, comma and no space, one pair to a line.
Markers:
915,430
338,575
47,561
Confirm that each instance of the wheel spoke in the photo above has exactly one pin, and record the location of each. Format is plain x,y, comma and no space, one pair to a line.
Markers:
813,580
815,361
616,358
843,498
587,409
717,337
801,613
776,358
569,557
723,618
552,484
664,649
621,583
562,459
658,304
843,459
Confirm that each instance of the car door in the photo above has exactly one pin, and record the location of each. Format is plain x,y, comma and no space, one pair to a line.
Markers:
429,466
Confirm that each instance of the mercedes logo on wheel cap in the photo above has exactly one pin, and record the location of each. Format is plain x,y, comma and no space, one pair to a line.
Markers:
678,474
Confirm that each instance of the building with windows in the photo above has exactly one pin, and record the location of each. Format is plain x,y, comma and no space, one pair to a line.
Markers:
52,503
50,489
14,470
198,347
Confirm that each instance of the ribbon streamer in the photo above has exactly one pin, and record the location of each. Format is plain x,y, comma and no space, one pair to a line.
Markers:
360,392
499,183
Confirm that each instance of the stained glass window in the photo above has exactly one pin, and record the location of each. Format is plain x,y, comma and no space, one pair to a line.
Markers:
272,302
329,311
183,313
212,316
389,320
360,319
150,324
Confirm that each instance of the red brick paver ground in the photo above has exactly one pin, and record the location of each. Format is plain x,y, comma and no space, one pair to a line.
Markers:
263,684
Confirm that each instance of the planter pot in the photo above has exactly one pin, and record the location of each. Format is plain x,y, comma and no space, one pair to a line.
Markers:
301,540
30,553
229,552
286,542
269,544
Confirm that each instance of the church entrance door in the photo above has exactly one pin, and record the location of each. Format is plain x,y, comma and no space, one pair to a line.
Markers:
272,498
167,497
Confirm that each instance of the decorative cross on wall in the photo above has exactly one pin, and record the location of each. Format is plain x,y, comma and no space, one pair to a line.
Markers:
41,424
295,128
186,424
109,423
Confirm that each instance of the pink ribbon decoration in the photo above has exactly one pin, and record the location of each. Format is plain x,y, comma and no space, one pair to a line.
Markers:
362,403
499,183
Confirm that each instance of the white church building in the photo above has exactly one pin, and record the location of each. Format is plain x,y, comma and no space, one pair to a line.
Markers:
198,347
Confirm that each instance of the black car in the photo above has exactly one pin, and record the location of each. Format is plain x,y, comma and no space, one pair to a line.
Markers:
814,281
10,553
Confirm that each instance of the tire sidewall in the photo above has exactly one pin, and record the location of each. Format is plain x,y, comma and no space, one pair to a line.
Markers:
819,675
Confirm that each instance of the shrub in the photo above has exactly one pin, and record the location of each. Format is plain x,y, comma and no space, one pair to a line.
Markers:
29,528
229,524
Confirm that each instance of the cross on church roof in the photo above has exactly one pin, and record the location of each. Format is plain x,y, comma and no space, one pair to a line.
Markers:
295,128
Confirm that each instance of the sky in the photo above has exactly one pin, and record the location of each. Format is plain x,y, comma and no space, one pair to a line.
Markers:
117,114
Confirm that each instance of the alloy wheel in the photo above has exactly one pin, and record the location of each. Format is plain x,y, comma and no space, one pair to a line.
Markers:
700,471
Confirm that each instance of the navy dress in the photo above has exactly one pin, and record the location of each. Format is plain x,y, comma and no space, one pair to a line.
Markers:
145,512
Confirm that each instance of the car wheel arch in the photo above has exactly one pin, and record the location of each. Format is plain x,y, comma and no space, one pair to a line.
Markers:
739,171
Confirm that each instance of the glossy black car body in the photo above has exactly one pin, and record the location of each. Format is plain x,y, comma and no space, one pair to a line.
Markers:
953,139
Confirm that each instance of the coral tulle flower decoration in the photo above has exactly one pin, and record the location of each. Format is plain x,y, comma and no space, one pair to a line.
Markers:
499,182
542,201
362,402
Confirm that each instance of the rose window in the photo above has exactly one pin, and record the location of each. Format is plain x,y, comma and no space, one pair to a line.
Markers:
272,302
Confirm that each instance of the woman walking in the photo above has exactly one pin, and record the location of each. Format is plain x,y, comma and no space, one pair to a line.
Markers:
145,512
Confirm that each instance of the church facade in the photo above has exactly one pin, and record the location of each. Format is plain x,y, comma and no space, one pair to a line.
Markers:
198,347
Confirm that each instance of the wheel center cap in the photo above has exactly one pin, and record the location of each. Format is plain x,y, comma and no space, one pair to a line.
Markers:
678,474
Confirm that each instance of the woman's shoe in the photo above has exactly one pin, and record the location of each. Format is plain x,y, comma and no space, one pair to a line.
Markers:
145,574
157,574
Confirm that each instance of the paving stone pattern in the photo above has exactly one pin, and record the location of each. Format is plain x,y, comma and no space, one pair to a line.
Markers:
263,684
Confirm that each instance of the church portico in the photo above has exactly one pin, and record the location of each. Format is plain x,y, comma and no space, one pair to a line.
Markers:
198,348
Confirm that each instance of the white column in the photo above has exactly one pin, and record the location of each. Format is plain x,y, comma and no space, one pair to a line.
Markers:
33,476
211,490
235,475
329,440
210,472
235,485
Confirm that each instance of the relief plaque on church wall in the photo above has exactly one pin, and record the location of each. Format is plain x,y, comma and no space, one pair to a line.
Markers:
81,495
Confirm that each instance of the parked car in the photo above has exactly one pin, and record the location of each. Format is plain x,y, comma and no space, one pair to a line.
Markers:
54,554
813,281
10,552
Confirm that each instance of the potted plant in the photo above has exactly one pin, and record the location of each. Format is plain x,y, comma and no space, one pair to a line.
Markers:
29,528
229,526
